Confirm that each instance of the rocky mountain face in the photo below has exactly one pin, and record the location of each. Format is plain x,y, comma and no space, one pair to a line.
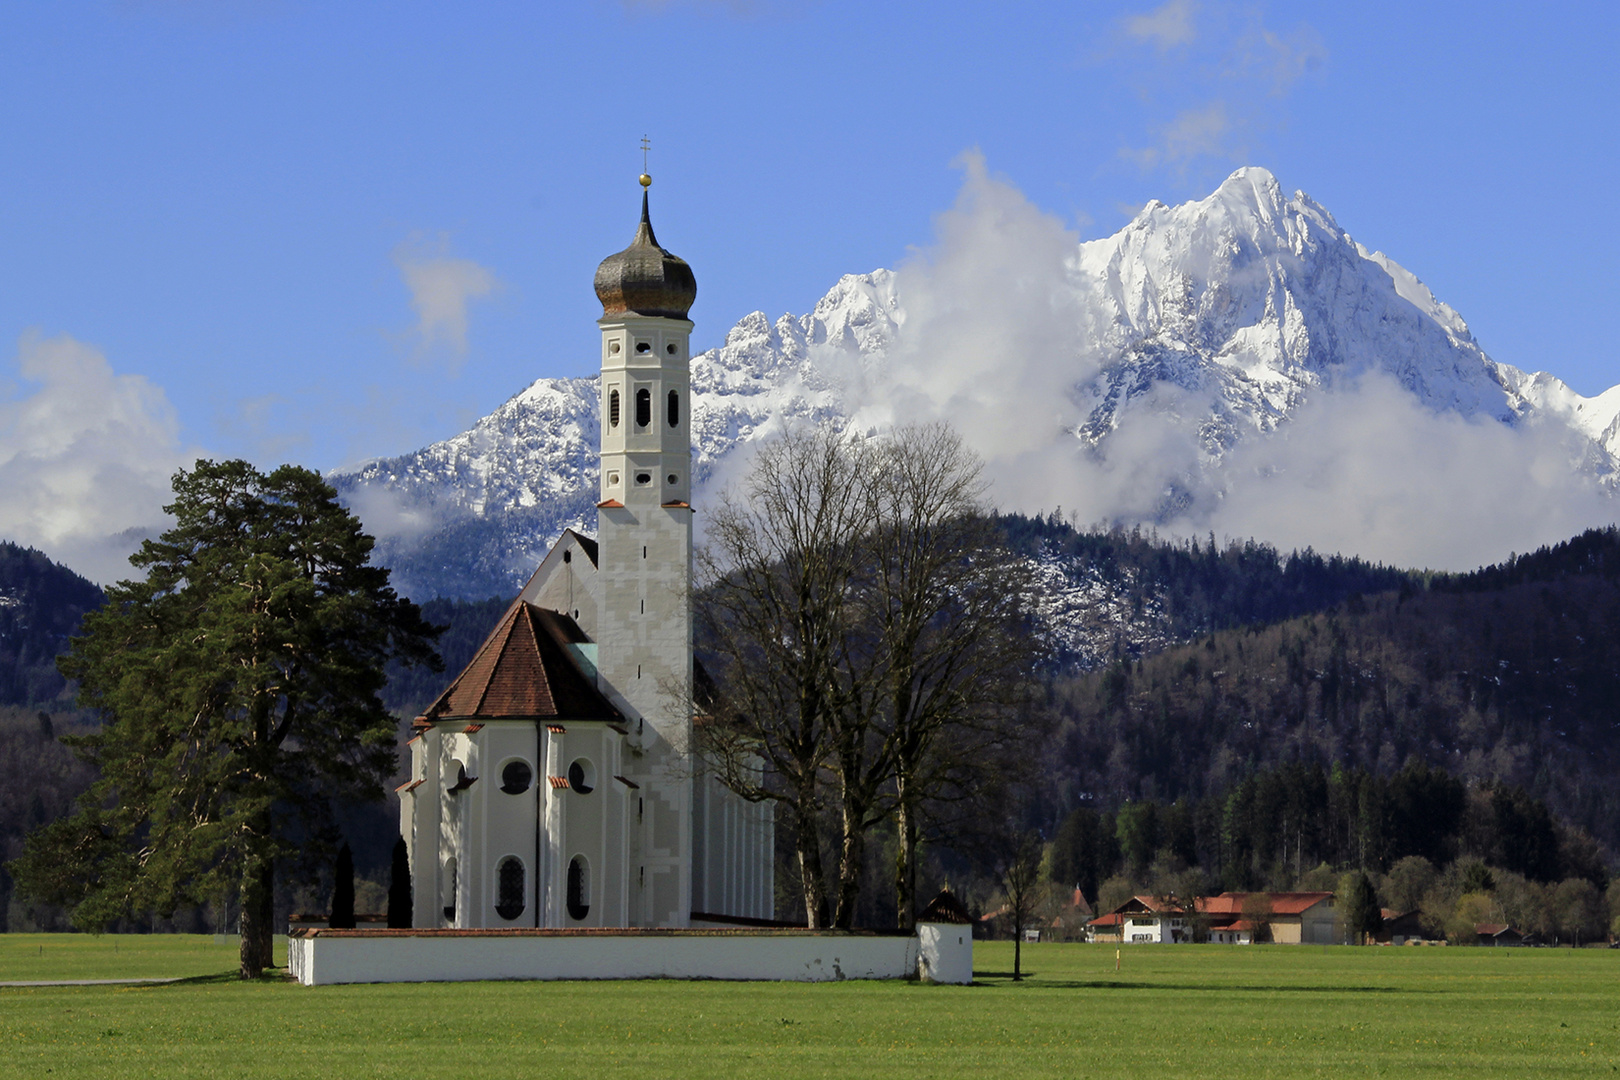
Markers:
1233,309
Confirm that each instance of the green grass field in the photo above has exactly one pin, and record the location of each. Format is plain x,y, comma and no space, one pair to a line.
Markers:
1205,1011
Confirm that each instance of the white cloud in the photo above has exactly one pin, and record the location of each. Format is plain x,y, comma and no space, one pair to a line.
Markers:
1167,26
991,295
441,288
1222,87
86,458
1194,133
1368,469
1280,59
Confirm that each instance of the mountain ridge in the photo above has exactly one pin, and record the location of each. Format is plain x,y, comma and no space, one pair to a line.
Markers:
1223,315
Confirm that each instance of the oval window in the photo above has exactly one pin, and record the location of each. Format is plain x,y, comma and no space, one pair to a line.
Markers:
643,407
579,888
674,409
509,886
613,409
582,776
670,348
516,777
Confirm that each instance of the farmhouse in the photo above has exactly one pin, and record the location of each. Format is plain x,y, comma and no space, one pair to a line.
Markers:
553,782
1292,918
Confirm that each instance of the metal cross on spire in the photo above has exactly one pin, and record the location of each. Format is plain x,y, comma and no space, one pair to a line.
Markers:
645,146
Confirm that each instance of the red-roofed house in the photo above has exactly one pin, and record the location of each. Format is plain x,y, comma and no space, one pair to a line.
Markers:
1293,918
1145,920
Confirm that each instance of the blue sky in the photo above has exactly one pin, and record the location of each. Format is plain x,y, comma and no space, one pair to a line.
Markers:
324,232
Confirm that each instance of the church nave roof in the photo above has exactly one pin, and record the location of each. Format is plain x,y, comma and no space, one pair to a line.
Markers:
522,671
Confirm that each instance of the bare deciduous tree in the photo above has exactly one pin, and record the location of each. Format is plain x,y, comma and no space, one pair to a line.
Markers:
870,638
776,572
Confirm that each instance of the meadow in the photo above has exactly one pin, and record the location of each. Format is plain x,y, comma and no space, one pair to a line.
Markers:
1206,1011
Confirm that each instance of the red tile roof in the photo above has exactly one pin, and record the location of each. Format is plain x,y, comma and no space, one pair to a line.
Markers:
1112,919
1282,903
523,670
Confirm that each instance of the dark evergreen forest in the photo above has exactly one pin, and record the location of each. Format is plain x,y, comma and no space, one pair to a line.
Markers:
1510,675
1320,710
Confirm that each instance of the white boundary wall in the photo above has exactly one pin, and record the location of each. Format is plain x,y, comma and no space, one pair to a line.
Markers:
326,957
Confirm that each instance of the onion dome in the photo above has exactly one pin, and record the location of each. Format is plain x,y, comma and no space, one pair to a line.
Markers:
644,279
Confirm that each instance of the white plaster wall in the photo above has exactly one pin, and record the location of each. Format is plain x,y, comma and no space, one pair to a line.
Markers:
328,958
945,953
566,582
733,870
497,824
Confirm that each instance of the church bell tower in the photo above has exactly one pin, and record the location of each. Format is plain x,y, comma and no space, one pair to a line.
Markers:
644,524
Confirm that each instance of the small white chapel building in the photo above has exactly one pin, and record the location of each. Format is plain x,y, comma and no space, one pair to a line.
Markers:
554,784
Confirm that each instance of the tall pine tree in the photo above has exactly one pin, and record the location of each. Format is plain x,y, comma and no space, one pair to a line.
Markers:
238,685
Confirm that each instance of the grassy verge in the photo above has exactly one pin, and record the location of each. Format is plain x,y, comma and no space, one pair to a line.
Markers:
1169,1011
119,956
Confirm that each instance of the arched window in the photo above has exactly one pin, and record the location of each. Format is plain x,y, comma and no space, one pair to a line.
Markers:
510,888
582,776
613,409
516,777
643,407
674,409
450,889
579,888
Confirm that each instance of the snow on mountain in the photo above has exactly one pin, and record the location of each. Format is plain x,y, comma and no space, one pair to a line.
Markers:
1239,307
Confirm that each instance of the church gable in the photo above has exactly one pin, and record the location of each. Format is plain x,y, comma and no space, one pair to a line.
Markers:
566,581
524,670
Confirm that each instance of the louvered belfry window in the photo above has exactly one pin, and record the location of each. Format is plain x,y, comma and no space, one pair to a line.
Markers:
613,409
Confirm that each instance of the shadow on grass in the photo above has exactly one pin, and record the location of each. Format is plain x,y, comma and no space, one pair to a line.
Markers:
1118,984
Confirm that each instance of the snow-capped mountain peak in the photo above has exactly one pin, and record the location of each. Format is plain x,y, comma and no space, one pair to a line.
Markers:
1238,308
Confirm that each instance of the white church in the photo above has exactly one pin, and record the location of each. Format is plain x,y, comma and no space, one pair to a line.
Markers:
559,822
554,784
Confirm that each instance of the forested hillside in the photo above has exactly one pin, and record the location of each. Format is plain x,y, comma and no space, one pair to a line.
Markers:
41,604
1509,675
1107,595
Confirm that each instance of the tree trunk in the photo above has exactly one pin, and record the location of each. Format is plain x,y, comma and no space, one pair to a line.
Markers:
905,863
258,912
811,875
851,860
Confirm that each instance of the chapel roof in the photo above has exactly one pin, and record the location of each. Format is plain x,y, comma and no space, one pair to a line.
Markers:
524,670
946,908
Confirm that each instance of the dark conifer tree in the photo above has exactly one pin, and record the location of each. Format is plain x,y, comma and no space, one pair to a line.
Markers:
399,888
237,681
343,891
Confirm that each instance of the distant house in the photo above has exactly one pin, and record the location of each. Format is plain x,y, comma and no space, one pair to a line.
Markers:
1231,931
1151,920
1401,927
1104,929
1294,918
1499,934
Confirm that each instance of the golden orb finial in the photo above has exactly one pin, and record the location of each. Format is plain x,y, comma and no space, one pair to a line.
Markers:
646,181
